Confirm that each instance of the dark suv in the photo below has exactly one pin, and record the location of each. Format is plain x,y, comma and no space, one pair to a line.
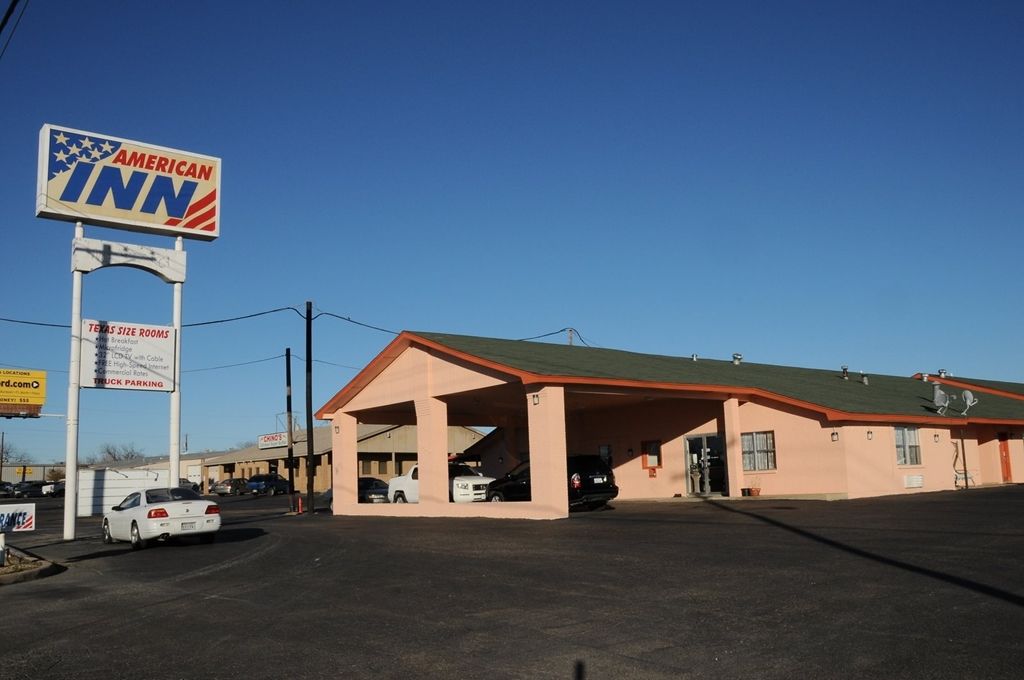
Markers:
269,484
591,483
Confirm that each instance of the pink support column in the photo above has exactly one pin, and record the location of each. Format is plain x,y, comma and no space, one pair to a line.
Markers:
432,447
345,465
545,409
733,444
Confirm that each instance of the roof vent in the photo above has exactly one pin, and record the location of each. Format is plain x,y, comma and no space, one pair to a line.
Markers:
924,377
846,372
693,357
863,378
943,373
737,358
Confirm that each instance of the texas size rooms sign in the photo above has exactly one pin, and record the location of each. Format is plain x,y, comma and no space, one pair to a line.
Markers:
127,356
114,182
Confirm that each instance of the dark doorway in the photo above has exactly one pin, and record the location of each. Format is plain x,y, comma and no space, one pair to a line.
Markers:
706,464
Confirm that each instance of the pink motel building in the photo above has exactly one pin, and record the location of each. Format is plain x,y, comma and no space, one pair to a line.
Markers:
671,427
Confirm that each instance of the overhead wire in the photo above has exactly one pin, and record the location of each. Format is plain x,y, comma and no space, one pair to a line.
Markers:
6,18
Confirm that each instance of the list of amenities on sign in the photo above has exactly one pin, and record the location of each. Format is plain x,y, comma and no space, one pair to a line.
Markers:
127,356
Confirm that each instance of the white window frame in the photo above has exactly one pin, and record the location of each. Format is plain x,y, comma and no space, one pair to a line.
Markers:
908,445
759,451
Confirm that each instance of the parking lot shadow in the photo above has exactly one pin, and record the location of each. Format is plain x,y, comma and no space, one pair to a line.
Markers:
982,588
223,536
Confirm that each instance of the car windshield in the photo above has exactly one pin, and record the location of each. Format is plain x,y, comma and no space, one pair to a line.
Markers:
176,494
461,470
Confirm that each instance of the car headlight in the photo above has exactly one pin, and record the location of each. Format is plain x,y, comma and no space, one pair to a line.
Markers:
464,486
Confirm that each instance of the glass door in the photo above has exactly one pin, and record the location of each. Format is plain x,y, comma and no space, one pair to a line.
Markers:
706,464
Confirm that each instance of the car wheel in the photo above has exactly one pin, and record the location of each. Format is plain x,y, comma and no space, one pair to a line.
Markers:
207,538
107,538
138,543
271,491
497,498
399,497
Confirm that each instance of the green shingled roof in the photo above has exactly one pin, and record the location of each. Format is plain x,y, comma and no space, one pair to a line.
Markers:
883,395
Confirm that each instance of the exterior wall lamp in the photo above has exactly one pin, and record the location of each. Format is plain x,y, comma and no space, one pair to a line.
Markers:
871,435
935,437
536,399
835,436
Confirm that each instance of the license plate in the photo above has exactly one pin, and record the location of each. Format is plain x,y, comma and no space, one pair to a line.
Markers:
185,526
599,480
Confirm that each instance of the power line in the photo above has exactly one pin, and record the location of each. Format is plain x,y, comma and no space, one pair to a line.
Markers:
3,23
353,321
244,363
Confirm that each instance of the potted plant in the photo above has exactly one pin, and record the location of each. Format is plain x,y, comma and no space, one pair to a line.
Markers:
755,486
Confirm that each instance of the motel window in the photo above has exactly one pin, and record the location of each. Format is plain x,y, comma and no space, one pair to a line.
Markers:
651,451
366,466
382,467
908,451
758,450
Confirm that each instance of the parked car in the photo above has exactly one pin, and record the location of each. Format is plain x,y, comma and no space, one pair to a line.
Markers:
32,489
465,485
152,514
234,486
188,484
6,489
591,483
369,490
372,490
269,484
54,489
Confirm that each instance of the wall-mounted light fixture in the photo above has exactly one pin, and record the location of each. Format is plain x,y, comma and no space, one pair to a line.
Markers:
935,437
871,435
337,429
536,399
835,436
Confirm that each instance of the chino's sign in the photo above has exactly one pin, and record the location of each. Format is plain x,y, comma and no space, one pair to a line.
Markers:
114,182
272,441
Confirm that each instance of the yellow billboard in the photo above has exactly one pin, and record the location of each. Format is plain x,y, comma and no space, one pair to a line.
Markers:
114,182
21,388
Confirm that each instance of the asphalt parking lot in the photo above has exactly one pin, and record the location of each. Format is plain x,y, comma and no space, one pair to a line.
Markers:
924,586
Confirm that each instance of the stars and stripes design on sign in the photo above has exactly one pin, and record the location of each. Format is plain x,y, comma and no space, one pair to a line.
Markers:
68,148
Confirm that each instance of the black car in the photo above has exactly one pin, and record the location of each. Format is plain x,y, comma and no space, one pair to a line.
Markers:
29,490
269,484
591,483
372,490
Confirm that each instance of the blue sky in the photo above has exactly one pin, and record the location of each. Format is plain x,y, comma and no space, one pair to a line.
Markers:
807,183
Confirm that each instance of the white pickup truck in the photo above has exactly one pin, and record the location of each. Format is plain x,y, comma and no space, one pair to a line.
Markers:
465,485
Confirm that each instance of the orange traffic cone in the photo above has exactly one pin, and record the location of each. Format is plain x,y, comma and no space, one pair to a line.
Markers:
300,505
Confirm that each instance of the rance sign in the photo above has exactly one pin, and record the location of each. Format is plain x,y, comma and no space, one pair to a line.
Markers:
118,183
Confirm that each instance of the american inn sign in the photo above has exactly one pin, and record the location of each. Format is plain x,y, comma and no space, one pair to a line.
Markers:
114,182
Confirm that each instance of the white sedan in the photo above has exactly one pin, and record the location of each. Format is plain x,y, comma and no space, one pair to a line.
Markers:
161,513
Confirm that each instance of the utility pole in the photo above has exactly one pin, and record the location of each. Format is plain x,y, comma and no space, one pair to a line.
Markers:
310,460
288,422
570,337
3,454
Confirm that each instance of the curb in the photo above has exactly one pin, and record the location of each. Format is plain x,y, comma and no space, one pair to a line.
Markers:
40,569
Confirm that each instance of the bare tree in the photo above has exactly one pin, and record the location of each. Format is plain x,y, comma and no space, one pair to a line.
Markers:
55,474
114,453
11,456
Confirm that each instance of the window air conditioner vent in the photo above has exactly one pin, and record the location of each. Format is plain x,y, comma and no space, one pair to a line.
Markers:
913,481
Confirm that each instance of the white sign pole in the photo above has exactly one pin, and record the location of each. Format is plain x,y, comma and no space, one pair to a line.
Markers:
175,443
74,383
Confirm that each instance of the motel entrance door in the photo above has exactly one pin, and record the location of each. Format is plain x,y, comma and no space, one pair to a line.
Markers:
1004,457
705,457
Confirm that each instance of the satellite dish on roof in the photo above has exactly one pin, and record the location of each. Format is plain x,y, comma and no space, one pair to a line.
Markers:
969,401
941,400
